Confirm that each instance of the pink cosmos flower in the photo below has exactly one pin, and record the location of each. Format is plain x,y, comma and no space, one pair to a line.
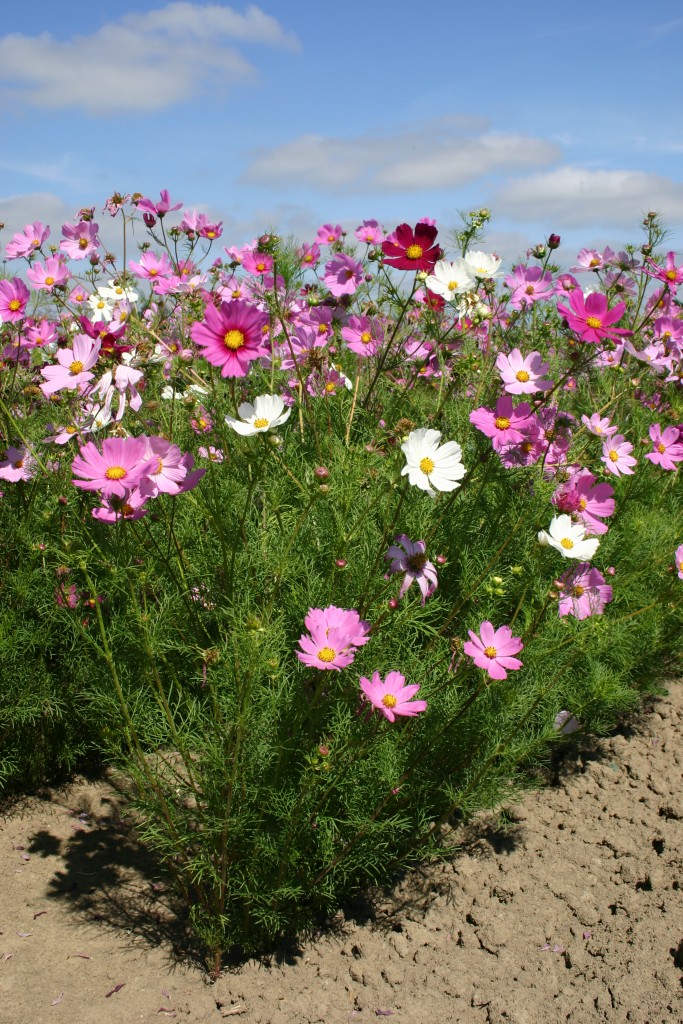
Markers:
411,248
168,470
159,209
594,501
492,650
210,453
309,254
529,285
79,295
409,557
334,635
584,592
678,561
505,425
343,275
370,232
670,274
363,335
591,318
13,298
27,241
328,234
39,335
80,240
521,374
117,469
73,366
616,456
18,464
392,697
591,259
47,277
256,263
231,336
114,507
600,426
151,266
667,448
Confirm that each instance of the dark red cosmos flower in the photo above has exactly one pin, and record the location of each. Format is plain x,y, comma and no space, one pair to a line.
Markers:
411,249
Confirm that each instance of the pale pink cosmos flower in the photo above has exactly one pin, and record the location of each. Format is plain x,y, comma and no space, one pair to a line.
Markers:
492,650
73,366
130,506
591,259
18,464
343,275
529,285
151,266
616,456
334,635
116,470
667,449
327,234
27,241
80,240
370,232
392,697
170,469
521,375
346,619
47,277
13,298
584,592
505,425
598,425
678,561
211,453
410,557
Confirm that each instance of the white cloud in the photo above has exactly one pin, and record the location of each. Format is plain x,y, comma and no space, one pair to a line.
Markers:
142,62
577,197
437,156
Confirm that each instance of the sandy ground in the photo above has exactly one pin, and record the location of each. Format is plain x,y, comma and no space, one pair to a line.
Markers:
574,912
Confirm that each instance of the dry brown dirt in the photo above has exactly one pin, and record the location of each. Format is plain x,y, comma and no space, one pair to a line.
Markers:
574,912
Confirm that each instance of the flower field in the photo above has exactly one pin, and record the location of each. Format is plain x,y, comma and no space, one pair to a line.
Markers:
325,544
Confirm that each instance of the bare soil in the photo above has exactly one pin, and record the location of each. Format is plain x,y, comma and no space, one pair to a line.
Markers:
568,909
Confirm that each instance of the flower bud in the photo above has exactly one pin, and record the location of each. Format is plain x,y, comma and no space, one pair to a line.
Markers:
340,563
324,488
392,604
440,559
554,242
322,472
149,219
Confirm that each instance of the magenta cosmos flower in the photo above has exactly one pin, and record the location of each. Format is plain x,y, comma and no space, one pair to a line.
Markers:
584,592
392,697
667,449
411,248
492,650
409,557
505,425
117,469
521,375
13,298
670,274
583,498
363,335
231,336
161,208
591,318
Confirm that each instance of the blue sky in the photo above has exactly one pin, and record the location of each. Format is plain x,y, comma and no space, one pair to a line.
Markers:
564,118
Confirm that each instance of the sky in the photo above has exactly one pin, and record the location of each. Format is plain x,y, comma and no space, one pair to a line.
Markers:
563,118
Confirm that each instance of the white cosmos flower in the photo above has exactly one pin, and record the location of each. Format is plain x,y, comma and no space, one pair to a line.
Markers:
430,466
264,414
101,306
569,538
115,292
449,278
483,264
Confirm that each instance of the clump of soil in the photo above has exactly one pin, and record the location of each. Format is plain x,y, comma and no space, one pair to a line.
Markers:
569,907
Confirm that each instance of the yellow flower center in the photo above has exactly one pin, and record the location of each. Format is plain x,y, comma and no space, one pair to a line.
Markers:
427,466
389,701
490,652
529,289
70,430
526,447
49,281
115,473
567,543
661,448
127,510
261,423
593,322
522,376
36,241
82,243
578,590
260,267
671,275
614,456
236,293
308,258
76,366
14,305
233,340
366,337
452,286
582,503
594,262
329,387
210,234
322,328
501,423
414,252
326,654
